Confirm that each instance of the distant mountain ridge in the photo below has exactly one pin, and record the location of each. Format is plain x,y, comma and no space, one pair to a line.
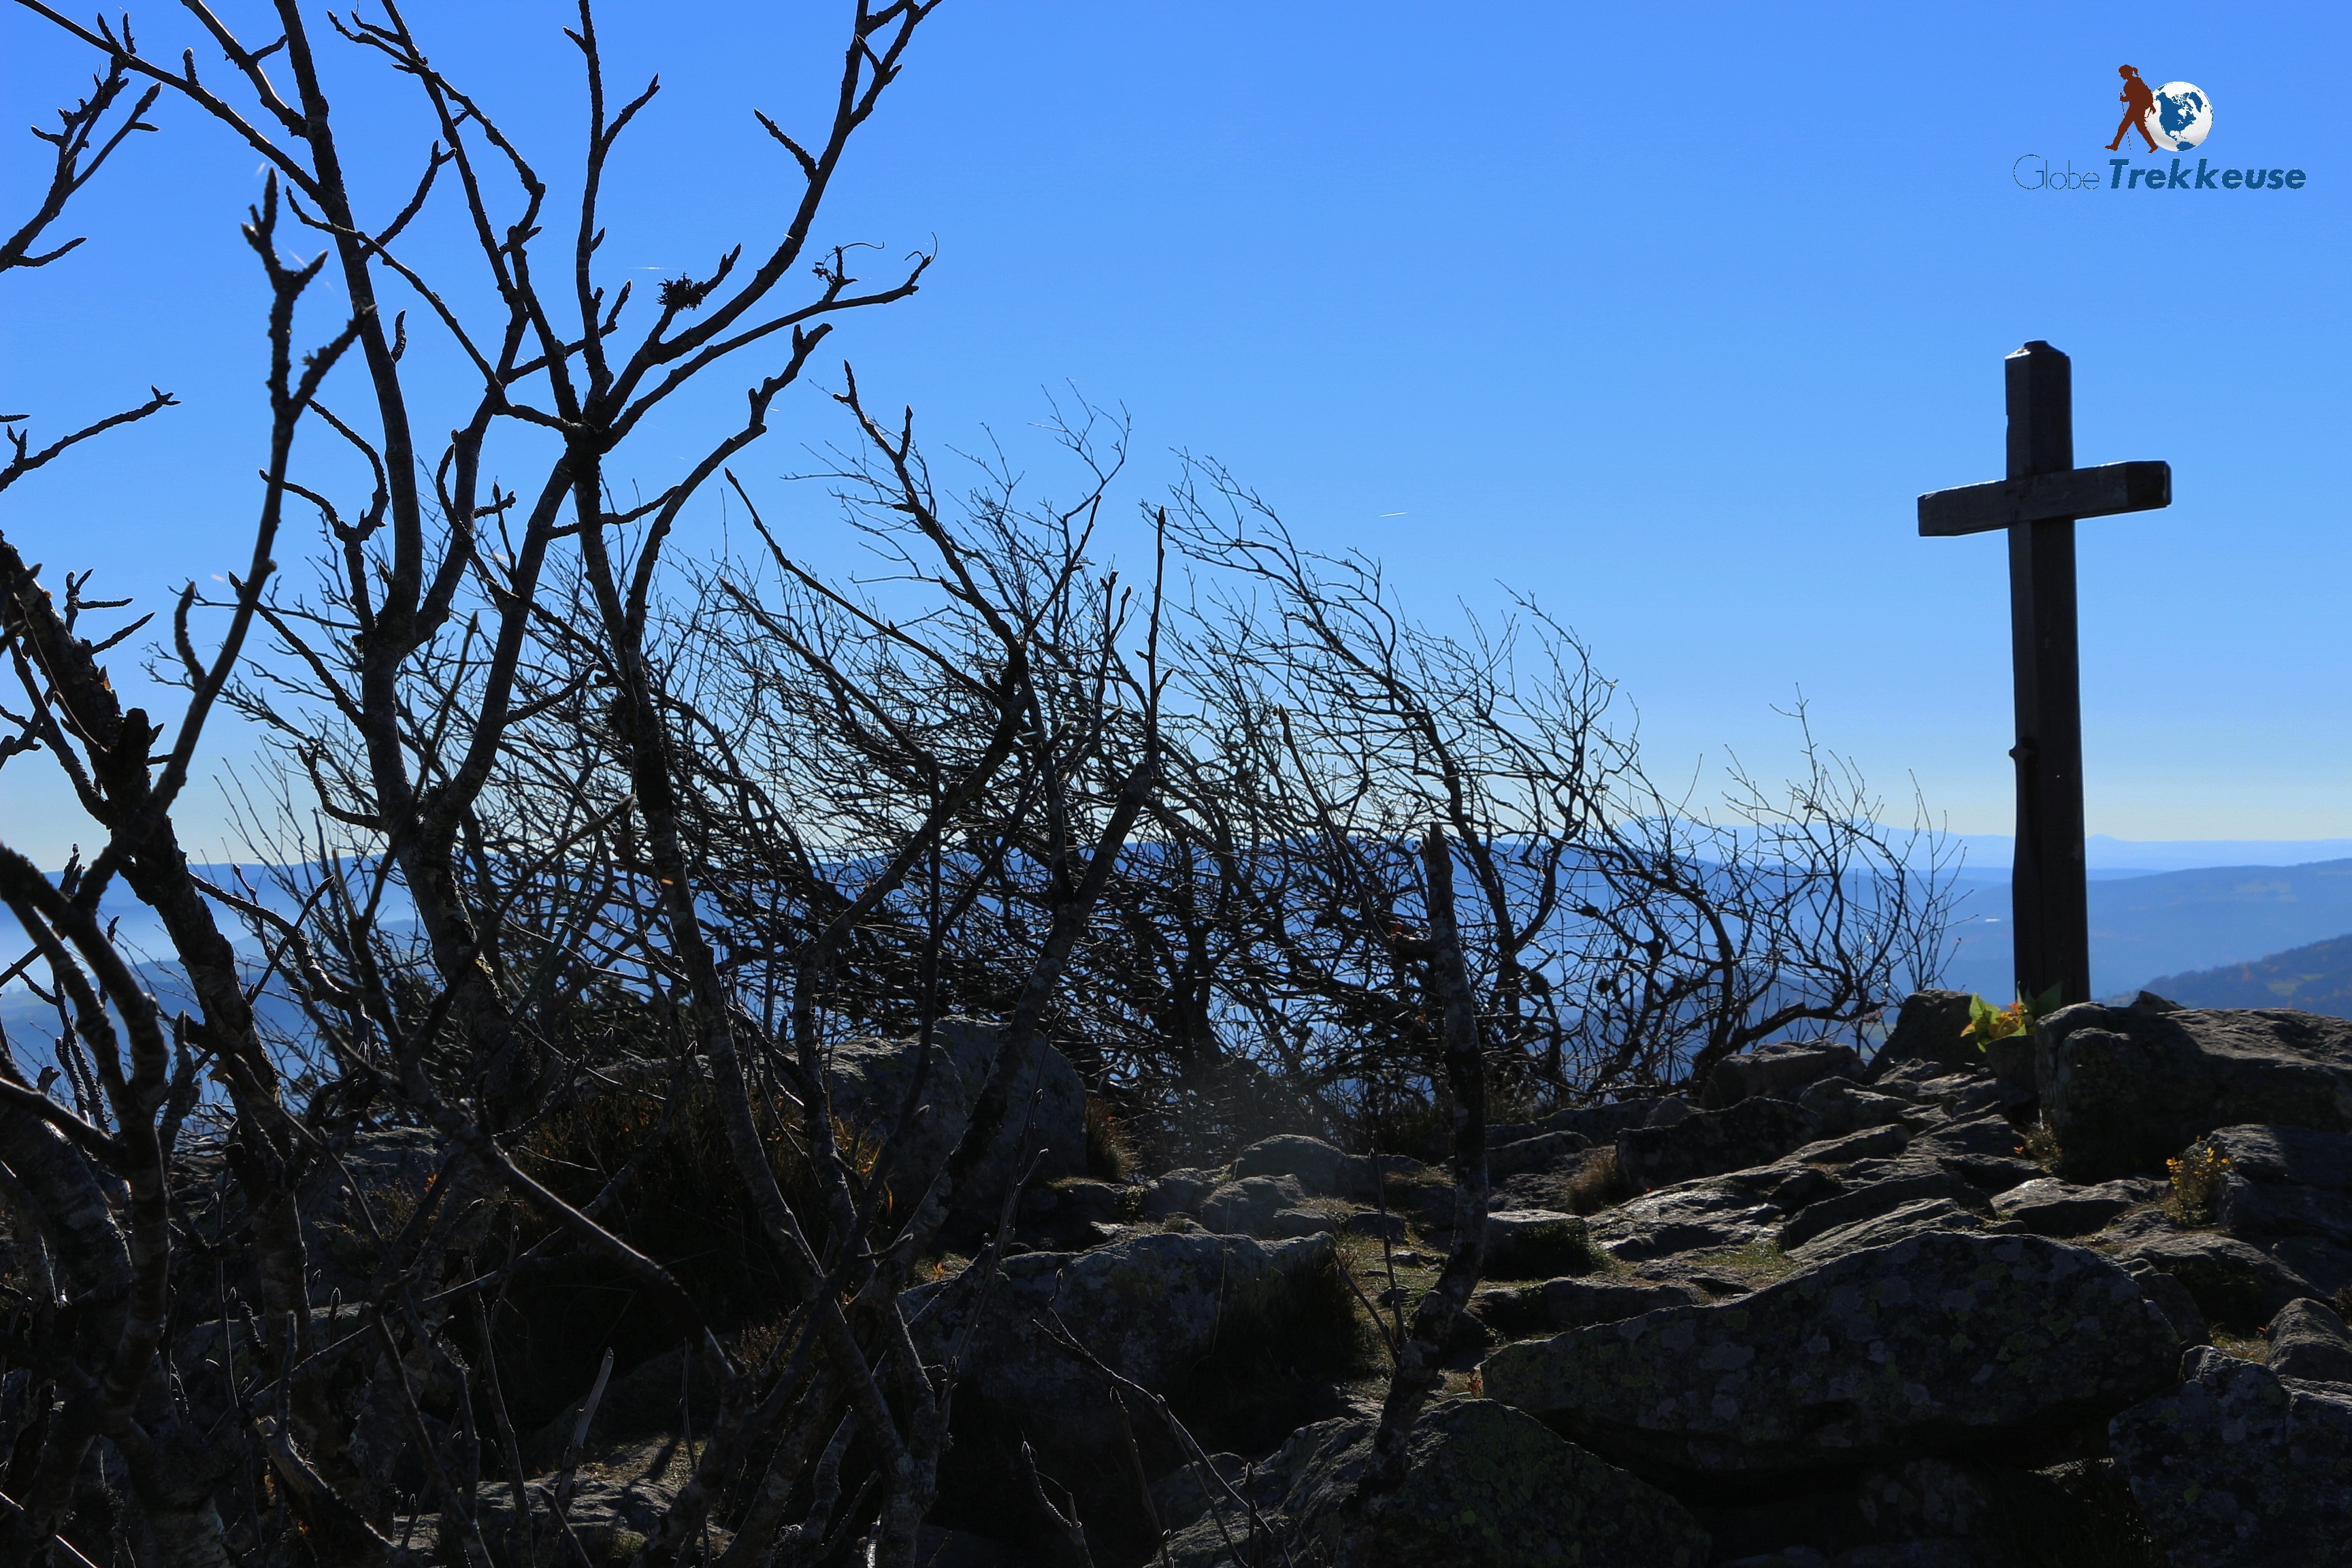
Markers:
2170,923
2316,978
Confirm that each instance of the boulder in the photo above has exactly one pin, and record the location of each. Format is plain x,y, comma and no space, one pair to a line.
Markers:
2236,1466
1930,1027
1984,1151
2048,1206
1515,1311
1708,1142
2299,1156
1698,1216
1778,1069
2308,1341
1175,1312
1177,1191
1910,1219
1536,1244
871,1075
1541,1152
1600,1124
1845,1107
1485,1487
1934,1343
2122,1090
1263,1206
1324,1171
1871,1143
2235,1282
2171,1297
1878,1197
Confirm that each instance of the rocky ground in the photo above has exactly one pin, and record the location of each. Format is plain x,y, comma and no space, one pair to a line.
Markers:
2074,1301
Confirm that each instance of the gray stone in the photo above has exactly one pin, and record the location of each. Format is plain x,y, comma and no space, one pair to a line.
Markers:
1248,1207
2048,1206
2171,1297
1930,1027
2237,1467
1322,1170
1708,1142
2235,1283
1485,1487
1536,1244
1871,1143
1780,1068
1985,1152
1671,1112
1697,1216
2011,1060
1911,1219
1867,1202
1601,1123
2281,1208
2308,1341
2298,1155
1787,1185
1930,1345
1177,1192
871,1077
1380,1227
1845,1107
1157,1307
1517,1310
1543,1151
2123,1090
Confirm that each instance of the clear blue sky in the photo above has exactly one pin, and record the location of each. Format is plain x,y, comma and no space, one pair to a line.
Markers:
1664,315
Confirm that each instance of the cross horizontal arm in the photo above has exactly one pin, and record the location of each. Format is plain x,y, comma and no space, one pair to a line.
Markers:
2038,498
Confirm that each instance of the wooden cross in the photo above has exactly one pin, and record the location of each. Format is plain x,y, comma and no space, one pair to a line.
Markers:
2038,504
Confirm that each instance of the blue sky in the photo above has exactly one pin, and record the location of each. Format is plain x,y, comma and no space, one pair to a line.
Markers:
1663,315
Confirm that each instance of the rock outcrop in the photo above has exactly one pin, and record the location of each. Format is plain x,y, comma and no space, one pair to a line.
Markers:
871,1077
1910,1350
1485,1487
2123,1090
2238,1466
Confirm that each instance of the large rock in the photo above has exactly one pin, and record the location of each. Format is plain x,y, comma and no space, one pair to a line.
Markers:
1930,1029
1263,1206
1324,1171
2123,1090
2235,1282
1911,1219
1695,1217
1930,1345
2237,1467
1984,1151
1709,1142
871,1077
1875,1198
1545,1151
2308,1341
1844,1107
1485,1487
2048,1206
1177,1313
1516,1311
1780,1068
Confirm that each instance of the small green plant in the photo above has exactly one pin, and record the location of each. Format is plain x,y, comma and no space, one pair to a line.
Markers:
1988,1023
2042,1147
2197,1172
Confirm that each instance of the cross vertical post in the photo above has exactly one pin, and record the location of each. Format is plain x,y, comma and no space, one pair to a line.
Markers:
2050,900
2037,506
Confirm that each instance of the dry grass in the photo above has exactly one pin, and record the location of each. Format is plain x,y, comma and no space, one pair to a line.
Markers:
1598,1183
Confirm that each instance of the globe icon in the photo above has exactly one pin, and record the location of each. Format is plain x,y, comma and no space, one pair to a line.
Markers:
2180,118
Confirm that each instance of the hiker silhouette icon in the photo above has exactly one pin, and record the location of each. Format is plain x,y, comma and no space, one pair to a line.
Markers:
2138,98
